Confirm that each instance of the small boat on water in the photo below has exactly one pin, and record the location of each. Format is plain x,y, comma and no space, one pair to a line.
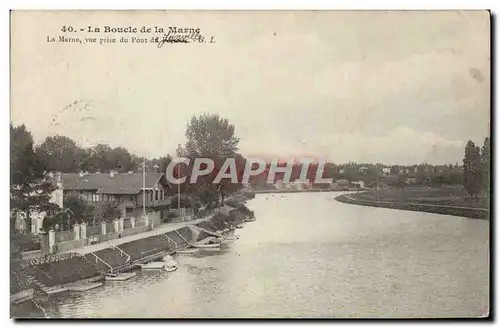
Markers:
55,291
239,226
228,239
209,242
250,219
120,276
153,266
189,251
85,287
171,264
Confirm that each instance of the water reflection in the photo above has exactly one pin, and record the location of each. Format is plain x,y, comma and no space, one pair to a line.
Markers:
310,256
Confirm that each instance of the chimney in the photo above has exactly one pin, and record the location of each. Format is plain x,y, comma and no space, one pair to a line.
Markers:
111,173
81,174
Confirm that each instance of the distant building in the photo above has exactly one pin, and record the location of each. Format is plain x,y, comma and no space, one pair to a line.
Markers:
386,170
363,170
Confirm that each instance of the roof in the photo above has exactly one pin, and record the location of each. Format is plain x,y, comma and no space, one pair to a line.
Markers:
120,183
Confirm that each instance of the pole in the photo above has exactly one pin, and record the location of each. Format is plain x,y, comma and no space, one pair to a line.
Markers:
378,188
143,186
179,189
179,192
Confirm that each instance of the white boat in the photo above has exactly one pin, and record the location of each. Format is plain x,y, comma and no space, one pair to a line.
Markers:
239,226
85,287
189,251
171,265
250,220
209,242
153,266
228,239
120,276
212,249
55,290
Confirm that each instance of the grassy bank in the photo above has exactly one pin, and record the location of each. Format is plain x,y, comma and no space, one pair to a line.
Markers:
449,201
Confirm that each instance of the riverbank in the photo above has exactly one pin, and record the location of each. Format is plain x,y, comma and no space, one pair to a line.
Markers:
59,273
290,191
431,200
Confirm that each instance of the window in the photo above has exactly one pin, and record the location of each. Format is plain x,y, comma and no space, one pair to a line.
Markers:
157,195
97,197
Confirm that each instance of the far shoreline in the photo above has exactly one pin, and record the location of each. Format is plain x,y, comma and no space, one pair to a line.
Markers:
428,207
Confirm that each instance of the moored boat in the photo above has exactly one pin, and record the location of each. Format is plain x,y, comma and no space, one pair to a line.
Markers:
188,251
209,242
85,287
153,266
120,276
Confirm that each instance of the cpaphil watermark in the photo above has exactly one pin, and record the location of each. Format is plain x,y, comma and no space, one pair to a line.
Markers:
202,167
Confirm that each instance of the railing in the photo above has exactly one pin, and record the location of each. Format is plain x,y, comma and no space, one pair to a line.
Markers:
98,258
187,242
168,239
113,246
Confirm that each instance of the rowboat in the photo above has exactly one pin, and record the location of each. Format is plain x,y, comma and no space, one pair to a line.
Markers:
153,266
207,243
189,251
228,239
171,266
85,287
120,276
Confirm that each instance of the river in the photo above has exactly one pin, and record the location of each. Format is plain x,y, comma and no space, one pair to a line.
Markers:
308,255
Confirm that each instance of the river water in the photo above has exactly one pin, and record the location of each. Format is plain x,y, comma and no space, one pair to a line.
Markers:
308,255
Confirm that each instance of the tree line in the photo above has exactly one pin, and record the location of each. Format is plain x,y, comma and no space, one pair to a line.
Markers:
207,135
477,168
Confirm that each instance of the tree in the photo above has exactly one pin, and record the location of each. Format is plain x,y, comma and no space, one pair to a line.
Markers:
164,162
472,169
30,190
104,212
78,210
103,158
485,166
61,154
211,136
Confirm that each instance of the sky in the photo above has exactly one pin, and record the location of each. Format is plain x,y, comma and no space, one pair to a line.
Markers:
397,87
